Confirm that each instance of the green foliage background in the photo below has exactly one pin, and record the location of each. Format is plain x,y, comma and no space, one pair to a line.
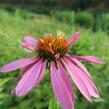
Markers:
16,24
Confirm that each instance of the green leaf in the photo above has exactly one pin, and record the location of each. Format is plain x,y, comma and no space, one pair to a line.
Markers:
4,81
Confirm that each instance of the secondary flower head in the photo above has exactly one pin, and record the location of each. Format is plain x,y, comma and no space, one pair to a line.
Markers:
52,50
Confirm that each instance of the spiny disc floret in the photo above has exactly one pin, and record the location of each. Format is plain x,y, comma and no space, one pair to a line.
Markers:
52,47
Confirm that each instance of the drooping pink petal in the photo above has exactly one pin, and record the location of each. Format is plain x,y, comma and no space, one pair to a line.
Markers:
89,59
30,79
88,82
74,38
30,40
77,79
90,85
67,81
43,67
81,66
60,88
25,69
27,46
17,64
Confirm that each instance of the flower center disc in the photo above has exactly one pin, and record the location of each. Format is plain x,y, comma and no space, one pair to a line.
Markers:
52,47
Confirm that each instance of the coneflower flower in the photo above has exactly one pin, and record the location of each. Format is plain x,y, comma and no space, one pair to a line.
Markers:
52,50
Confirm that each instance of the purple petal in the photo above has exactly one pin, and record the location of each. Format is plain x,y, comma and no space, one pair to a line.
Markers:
27,46
87,80
17,64
81,66
67,81
90,85
89,59
25,69
43,67
60,88
30,79
30,40
73,39
77,79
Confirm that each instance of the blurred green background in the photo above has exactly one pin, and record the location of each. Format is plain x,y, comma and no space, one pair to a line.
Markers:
37,17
